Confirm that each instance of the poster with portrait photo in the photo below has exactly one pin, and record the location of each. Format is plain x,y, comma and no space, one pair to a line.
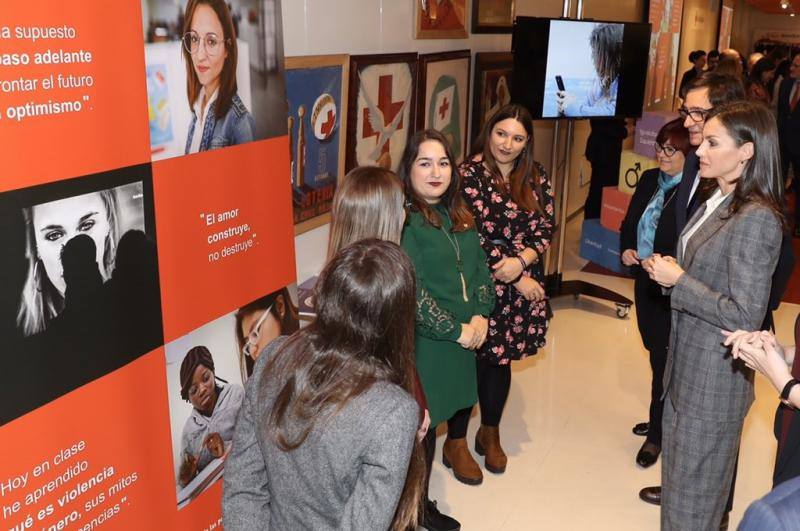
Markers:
81,295
206,370
227,54
586,59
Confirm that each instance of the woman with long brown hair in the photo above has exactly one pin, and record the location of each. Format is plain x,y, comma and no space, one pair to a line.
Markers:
720,279
368,204
210,52
327,427
512,202
605,43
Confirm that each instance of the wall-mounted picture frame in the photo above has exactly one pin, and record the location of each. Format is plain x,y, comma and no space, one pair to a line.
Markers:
316,88
381,108
492,16
440,19
443,99
491,87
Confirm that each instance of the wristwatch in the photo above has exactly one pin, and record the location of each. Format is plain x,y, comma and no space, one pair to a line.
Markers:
788,389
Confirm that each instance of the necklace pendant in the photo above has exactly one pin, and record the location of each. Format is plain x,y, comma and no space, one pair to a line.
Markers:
463,287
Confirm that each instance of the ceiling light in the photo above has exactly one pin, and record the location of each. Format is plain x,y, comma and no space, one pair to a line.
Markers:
784,4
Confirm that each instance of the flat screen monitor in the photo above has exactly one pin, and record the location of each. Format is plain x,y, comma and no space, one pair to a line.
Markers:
579,68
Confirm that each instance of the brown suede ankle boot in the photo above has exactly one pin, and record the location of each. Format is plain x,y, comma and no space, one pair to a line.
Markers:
487,444
455,455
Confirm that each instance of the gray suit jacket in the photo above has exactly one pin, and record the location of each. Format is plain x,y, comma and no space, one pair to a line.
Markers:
348,474
728,267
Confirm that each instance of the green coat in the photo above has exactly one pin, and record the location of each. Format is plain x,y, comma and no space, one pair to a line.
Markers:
447,370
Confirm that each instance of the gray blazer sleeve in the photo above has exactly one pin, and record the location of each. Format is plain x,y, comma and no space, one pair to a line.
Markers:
383,468
752,255
245,496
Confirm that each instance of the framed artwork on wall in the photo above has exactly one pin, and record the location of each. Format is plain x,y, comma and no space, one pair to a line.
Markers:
444,97
492,16
440,19
316,87
725,25
662,68
381,108
491,87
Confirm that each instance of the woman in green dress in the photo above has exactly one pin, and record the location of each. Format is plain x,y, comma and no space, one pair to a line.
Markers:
455,293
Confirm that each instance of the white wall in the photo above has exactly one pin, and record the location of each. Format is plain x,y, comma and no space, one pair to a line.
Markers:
313,27
747,20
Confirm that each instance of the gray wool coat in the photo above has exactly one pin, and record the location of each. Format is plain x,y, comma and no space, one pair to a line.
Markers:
348,474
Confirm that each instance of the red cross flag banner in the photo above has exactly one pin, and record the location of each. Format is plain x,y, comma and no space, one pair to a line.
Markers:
144,190
382,108
444,96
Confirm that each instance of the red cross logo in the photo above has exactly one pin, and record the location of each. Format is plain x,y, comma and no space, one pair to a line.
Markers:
386,106
444,108
327,126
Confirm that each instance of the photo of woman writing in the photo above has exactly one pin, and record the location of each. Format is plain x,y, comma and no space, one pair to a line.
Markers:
208,431
219,118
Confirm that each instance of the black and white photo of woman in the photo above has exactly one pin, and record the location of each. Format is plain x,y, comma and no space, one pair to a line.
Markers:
82,282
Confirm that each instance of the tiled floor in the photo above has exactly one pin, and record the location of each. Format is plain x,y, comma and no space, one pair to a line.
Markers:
567,428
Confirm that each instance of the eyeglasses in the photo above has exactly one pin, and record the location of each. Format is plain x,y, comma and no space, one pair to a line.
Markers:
211,43
667,150
697,115
255,332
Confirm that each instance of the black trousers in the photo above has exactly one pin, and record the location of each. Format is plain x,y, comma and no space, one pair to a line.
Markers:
658,362
494,383
653,316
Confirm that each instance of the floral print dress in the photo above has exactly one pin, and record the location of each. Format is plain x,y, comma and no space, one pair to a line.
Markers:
517,327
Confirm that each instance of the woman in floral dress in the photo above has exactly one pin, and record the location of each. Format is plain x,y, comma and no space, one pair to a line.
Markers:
512,201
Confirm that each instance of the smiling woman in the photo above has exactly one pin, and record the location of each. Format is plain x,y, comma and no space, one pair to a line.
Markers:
219,118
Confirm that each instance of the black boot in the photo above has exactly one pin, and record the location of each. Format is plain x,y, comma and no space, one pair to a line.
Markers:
433,520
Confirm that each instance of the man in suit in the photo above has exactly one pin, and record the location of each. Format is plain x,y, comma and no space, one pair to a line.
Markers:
789,130
702,95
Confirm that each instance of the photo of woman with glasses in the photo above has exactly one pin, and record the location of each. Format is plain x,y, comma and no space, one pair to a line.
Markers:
260,322
219,118
648,228
208,432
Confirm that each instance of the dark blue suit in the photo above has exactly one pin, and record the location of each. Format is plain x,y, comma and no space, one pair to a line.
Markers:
690,169
779,510
789,133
